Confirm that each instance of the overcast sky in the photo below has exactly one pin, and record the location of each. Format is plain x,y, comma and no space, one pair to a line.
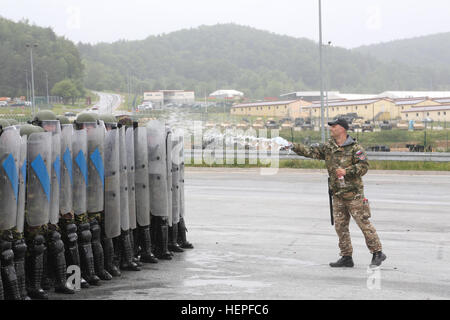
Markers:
346,23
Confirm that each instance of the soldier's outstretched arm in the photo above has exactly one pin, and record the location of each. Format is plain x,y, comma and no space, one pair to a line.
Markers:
315,151
360,164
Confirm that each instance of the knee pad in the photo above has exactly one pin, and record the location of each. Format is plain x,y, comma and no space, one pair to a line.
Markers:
7,256
95,231
38,244
71,230
56,245
5,245
85,233
19,248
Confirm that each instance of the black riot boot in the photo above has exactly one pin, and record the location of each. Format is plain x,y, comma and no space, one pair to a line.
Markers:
182,241
134,249
8,272
146,245
86,255
377,258
108,250
35,268
344,261
162,238
153,232
173,235
57,263
97,249
20,248
126,262
70,239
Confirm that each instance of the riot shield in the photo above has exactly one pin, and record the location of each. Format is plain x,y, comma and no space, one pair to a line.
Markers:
157,172
181,137
65,190
124,212
169,173
9,182
55,180
141,177
129,142
39,158
96,171
175,178
79,171
112,184
22,184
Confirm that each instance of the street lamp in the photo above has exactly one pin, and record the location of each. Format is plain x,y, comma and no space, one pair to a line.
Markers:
327,84
32,76
322,115
46,78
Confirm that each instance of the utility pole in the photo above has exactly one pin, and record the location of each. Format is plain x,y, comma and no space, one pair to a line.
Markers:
46,78
322,113
33,106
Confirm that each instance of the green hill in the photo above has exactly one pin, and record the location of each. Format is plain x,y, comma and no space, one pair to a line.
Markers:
257,62
55,55
431,52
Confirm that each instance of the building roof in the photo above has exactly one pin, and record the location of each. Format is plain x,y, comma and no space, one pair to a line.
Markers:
349,102
442,100
414,94
226,92
443,107
400,102
259,104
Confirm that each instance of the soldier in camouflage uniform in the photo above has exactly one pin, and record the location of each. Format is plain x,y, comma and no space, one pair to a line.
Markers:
346,162
54,256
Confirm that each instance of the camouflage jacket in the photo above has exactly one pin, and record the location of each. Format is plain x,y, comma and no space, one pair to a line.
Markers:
350,156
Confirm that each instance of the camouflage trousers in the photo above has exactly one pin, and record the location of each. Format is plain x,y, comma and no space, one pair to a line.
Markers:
360,211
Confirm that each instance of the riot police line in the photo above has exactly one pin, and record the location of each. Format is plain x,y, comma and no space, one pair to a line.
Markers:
103,195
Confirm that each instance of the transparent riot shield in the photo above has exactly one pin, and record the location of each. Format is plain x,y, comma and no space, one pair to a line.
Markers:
79,171
112,184
142,194
124,212
39,158
182,205
66,178
129,143
175,154
22,184
55,181
96,171
169,173
9,178
157,168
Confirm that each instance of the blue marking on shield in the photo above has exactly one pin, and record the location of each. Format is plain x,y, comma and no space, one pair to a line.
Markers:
40,169
24,171
81,162
11,171
57,167
68,161
97,160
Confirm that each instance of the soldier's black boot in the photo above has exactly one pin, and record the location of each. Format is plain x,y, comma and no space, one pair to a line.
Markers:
153,232
70,239
182,241
134,253
345,261
20,248
86,255
110,266
162,239
173,235
57,263
126,262
97,250
10,283
377,258
35,268
146,245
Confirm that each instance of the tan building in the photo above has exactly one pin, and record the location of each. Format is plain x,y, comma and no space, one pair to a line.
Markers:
155,97
369,109
407,103
285,109
436,113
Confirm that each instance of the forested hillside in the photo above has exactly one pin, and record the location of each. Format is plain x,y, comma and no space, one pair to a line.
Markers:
55,55
257,62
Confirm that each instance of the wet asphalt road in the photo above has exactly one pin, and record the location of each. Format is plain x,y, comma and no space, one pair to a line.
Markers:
269,237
